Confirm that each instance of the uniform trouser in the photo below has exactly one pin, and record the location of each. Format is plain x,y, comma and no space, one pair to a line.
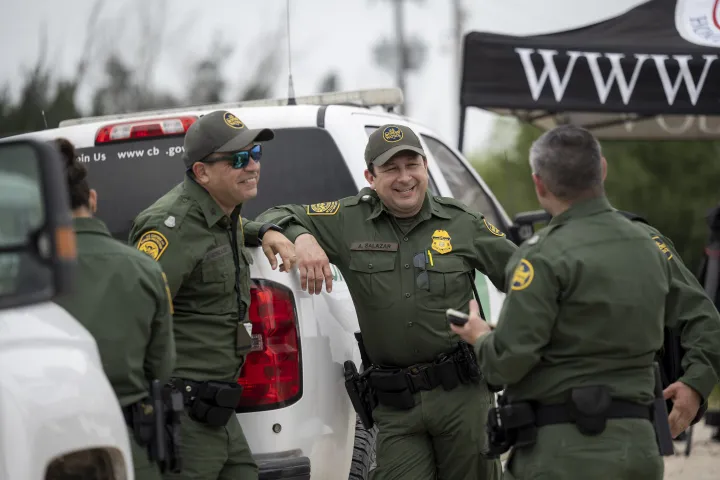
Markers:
441,438
213,453
626,450
144,468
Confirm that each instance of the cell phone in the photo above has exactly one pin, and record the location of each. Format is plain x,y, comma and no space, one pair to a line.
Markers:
456,317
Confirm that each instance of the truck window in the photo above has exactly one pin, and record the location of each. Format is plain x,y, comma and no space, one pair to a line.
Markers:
431,183
462,184
21,215
300,166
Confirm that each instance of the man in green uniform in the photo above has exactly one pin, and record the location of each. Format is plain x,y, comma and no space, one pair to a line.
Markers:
196,233
579,329
121,297
407,256
698,325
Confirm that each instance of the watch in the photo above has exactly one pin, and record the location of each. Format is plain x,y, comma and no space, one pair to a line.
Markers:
266,227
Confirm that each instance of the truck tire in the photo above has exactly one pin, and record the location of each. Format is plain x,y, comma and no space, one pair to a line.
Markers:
363,459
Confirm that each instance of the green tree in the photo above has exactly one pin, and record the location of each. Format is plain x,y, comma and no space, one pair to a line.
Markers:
672,184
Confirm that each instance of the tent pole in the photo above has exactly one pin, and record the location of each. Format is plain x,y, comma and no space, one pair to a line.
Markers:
461,128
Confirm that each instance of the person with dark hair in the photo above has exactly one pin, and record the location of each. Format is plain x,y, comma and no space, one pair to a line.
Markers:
588,299
122,298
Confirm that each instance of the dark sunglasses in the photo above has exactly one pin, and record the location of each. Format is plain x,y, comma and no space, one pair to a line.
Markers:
420,260
241,159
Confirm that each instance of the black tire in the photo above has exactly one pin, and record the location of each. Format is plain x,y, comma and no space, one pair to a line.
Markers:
363,459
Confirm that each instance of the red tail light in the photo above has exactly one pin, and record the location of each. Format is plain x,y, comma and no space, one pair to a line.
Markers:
139,129
271,376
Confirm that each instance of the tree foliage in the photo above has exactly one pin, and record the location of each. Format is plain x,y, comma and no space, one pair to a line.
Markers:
672,184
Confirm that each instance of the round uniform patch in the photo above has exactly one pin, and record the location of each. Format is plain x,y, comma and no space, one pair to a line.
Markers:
392,134
325,208
232,121
523,275
153,243
493,229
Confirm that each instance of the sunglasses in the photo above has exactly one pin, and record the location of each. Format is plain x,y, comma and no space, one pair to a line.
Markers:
420,260
241,159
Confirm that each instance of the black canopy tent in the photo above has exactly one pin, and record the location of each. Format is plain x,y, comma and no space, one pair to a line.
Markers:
631,77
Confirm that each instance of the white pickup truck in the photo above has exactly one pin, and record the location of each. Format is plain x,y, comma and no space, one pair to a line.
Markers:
295,411
59,417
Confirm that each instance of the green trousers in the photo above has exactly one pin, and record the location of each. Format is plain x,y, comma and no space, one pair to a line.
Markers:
626,450
214,453
441,438
144,468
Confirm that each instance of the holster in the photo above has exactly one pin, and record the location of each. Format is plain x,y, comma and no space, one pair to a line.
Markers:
211,402
360,393
140,417
510,425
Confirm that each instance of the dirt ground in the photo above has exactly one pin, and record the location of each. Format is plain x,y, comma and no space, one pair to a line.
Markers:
703,462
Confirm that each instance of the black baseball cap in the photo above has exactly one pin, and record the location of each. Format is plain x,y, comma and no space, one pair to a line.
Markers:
220,132
390,140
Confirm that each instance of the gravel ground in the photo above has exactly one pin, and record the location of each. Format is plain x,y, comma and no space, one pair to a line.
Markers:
703,462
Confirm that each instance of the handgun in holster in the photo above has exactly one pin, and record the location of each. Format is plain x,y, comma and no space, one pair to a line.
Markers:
360,392
510,425
173,401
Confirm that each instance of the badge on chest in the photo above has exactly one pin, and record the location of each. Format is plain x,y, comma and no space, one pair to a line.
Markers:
441,242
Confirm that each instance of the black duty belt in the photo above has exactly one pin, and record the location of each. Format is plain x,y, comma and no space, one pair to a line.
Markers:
552,414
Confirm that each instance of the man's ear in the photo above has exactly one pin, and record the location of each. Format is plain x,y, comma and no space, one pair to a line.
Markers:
539,185
92,200
604,167
199,170
370,178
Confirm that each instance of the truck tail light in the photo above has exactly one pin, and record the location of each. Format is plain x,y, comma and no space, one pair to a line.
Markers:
141,129
272,375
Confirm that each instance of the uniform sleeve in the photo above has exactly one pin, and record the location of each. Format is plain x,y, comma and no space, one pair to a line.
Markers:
160,352
164,245
296,220
492,252
250,232
525,325
694,315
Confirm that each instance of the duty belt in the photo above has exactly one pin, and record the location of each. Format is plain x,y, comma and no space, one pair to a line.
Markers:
552,414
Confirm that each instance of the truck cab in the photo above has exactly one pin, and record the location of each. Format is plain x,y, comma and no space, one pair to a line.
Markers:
59,415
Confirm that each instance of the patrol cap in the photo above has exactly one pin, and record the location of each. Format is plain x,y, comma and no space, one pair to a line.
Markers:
389,140
219,132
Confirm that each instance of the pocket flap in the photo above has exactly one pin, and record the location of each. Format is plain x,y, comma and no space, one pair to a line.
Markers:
372,262
447,264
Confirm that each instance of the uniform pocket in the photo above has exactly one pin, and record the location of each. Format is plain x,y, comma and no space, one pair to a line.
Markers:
219,273
447,281
375,276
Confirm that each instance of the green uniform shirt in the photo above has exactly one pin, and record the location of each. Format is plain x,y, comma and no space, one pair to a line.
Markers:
122,298
209,277
587,302
698,322
402,316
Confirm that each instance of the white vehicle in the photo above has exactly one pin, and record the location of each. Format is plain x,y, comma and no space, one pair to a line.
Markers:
59,416
295,411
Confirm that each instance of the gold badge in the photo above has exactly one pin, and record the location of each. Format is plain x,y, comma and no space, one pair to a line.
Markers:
392,134
327,208
167,289
523,275
663,248
441,242
493,229
232,121
153,243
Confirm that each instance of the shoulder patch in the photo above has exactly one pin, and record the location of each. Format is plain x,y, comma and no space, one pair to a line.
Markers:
663,248
167,290
523,275
152,243
327,208
493,229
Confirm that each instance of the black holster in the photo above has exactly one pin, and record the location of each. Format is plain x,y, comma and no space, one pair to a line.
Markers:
588,408
360,393
510,425
212,402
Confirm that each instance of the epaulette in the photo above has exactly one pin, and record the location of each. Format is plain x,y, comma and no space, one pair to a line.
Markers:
171,217
449,201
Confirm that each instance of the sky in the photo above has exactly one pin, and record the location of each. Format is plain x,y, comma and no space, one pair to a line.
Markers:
326,35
